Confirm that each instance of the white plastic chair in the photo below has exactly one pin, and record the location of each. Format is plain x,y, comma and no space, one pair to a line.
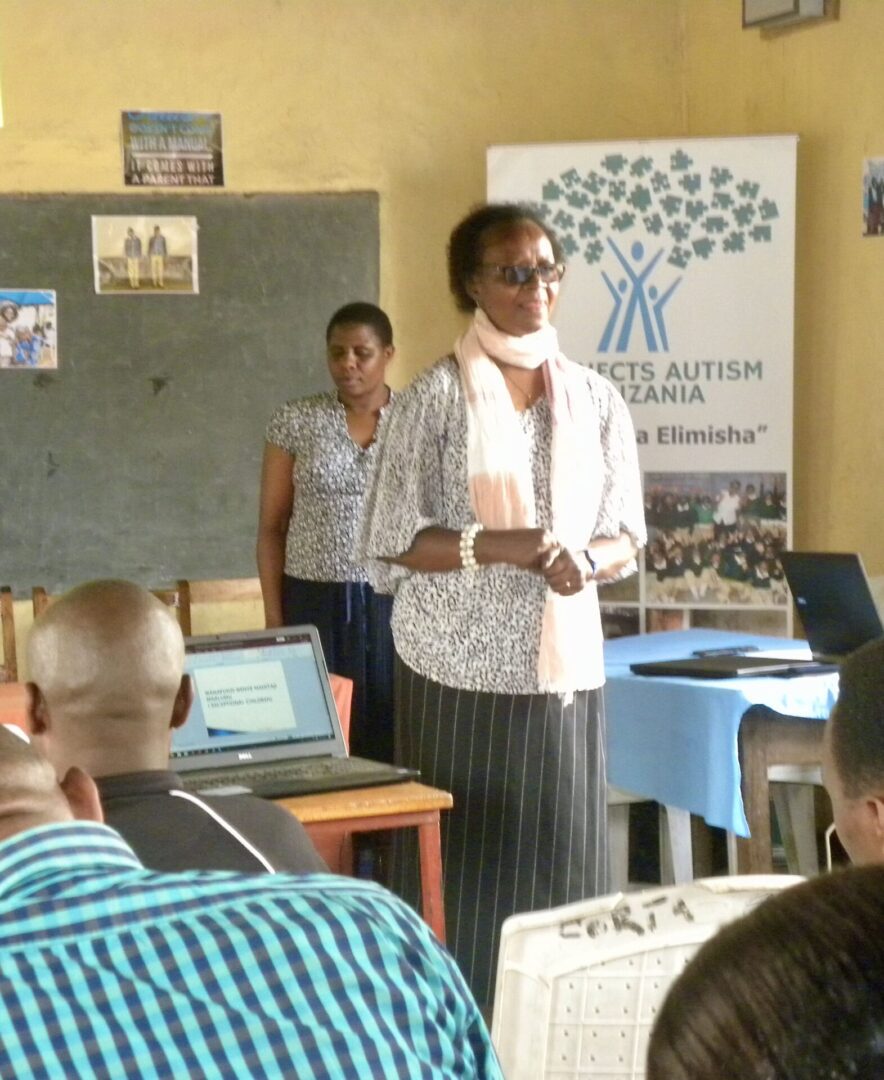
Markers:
578,986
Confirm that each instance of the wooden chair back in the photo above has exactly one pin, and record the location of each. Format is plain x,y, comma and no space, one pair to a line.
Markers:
40,600
9,667
221,590
173,598
217,591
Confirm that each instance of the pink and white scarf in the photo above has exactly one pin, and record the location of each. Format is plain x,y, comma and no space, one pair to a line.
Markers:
501,489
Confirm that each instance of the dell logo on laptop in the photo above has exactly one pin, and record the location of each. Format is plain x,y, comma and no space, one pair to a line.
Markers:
244,756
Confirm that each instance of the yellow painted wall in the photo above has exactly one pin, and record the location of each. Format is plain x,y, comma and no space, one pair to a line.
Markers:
403,96
822,82
397,96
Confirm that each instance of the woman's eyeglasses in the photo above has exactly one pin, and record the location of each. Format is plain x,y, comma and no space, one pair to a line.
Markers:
522,275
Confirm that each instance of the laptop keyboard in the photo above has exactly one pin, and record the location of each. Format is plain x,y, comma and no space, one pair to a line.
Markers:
294,777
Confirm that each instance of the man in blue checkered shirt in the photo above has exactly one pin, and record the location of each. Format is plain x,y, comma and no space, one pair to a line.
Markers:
111,970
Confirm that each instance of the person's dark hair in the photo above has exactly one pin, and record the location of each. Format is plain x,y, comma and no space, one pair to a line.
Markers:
857,726
361,313
470,236
792,991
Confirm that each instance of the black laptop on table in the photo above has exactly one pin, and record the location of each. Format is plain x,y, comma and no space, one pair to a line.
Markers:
833,600
837,612
264,720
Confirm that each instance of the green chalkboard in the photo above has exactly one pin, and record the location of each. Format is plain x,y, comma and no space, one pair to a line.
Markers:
139,456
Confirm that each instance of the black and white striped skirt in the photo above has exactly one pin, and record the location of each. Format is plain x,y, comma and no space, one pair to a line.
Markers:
529,825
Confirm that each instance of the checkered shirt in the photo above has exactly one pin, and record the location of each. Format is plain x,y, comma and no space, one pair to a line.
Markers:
111,970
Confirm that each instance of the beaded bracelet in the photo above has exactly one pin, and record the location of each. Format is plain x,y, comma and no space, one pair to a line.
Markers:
468,544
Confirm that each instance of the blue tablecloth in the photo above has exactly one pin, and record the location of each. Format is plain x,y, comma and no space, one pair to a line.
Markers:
675,739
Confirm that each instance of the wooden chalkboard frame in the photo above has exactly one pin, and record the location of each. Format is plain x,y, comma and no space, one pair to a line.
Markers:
140,456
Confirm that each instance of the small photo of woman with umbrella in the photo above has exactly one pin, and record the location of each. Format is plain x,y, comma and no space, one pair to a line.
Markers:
28,329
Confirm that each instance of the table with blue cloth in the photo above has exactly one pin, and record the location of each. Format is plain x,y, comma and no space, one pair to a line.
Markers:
675,739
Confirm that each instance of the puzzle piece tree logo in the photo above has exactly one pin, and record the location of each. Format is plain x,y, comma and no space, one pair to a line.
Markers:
681,212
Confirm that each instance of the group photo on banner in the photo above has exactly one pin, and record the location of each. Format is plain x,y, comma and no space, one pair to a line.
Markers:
679,290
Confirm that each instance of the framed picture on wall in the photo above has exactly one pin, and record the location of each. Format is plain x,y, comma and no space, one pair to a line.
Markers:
780,12
873,197
141,254
28,329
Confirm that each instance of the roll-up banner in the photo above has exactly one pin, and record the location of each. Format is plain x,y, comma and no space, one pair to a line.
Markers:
679,290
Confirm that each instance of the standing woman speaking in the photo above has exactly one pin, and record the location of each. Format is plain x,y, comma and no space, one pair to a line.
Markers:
317,459
507,486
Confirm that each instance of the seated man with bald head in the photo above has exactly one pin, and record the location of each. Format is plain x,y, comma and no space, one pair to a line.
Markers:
853,757
107,687
108,969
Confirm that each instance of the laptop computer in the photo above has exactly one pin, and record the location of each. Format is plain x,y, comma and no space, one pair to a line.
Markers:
264,720
731,665
834,601
837,612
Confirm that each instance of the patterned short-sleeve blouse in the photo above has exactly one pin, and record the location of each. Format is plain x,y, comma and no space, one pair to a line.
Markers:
330,476
480,630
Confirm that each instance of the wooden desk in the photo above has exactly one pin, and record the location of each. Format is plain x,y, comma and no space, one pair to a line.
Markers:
768,738
331,819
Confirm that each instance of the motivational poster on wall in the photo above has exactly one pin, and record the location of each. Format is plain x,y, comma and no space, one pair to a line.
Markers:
171,149
680,291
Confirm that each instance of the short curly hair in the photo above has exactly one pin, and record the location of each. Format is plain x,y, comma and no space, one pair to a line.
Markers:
361,313
857,722
468,240
793,989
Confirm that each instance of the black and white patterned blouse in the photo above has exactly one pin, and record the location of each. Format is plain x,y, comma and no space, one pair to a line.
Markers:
330,475
480,629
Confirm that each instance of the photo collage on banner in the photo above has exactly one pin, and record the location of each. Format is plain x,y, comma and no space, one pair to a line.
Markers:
679,290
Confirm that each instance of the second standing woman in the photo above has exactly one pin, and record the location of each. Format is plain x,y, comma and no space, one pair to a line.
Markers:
317,458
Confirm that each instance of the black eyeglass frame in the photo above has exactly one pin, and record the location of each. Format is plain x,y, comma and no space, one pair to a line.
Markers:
547,273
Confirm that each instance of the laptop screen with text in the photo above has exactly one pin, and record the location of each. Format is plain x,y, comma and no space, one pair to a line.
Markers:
258,696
